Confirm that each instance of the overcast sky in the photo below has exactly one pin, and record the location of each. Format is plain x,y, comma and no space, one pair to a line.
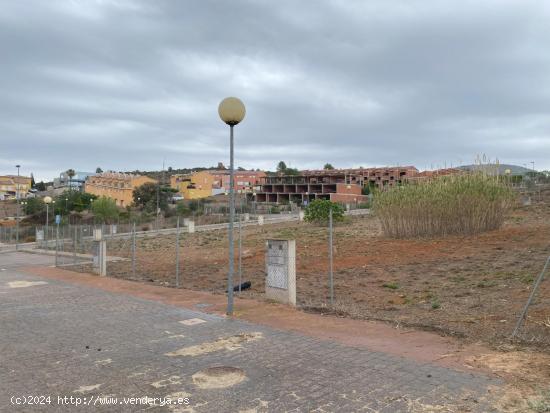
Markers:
123,84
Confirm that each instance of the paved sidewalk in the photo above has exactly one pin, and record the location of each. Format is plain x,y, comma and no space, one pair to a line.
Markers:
66,339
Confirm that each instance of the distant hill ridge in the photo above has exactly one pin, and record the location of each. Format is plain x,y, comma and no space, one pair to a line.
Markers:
515,169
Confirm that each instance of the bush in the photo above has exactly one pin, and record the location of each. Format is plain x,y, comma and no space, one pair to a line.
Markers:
105,210
319,209
459,204
182,210
34,206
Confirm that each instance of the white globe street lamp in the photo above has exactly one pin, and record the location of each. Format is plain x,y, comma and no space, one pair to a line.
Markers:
232,112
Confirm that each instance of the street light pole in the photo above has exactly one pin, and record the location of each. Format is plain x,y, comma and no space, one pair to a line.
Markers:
231,223
231,111
47,201
17,210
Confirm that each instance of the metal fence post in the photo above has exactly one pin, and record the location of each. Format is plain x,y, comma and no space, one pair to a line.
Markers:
56,244
331,279
531,297
178,253
134,249
74,243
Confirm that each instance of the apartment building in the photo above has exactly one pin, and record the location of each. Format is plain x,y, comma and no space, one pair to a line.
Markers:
116,185
384,177
13,186
336,186
194,185
210,182
246,181
427,175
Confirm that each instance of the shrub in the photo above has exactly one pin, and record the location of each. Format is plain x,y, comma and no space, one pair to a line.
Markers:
391,285
182,210
319,209
105,210
459,204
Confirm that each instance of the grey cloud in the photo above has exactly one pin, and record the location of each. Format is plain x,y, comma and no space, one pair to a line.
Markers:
123,84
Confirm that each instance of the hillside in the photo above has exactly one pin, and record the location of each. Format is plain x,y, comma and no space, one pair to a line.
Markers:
492,168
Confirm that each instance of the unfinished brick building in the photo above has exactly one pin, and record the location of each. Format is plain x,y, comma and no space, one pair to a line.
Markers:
388,177
427,175
336,186
380,177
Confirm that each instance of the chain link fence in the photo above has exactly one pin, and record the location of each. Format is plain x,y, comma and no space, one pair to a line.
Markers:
192,253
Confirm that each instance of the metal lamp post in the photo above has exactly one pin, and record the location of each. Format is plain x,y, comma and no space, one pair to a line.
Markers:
47,200
17,210
232,112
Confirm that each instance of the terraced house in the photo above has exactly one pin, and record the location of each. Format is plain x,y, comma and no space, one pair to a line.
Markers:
194,185
13,186
116,185
211,182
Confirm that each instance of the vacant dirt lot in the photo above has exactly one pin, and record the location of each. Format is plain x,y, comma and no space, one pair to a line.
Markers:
472,287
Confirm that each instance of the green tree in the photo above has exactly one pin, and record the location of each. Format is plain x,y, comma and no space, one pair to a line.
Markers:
328,166
318,211
73,201
98,170
34,206
105,210
145,197
282,169
41,186
33,183
196,205
70,173
182,210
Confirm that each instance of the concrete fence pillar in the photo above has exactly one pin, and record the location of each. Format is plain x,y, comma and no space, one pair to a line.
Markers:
100,253
280,283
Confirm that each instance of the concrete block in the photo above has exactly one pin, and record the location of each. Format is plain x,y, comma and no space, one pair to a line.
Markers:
280,282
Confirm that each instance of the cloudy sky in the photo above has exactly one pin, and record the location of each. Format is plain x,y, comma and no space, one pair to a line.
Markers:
124,84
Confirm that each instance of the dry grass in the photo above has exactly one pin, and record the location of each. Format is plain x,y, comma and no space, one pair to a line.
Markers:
462,204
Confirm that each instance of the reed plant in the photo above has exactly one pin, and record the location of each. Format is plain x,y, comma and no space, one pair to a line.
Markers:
462,204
